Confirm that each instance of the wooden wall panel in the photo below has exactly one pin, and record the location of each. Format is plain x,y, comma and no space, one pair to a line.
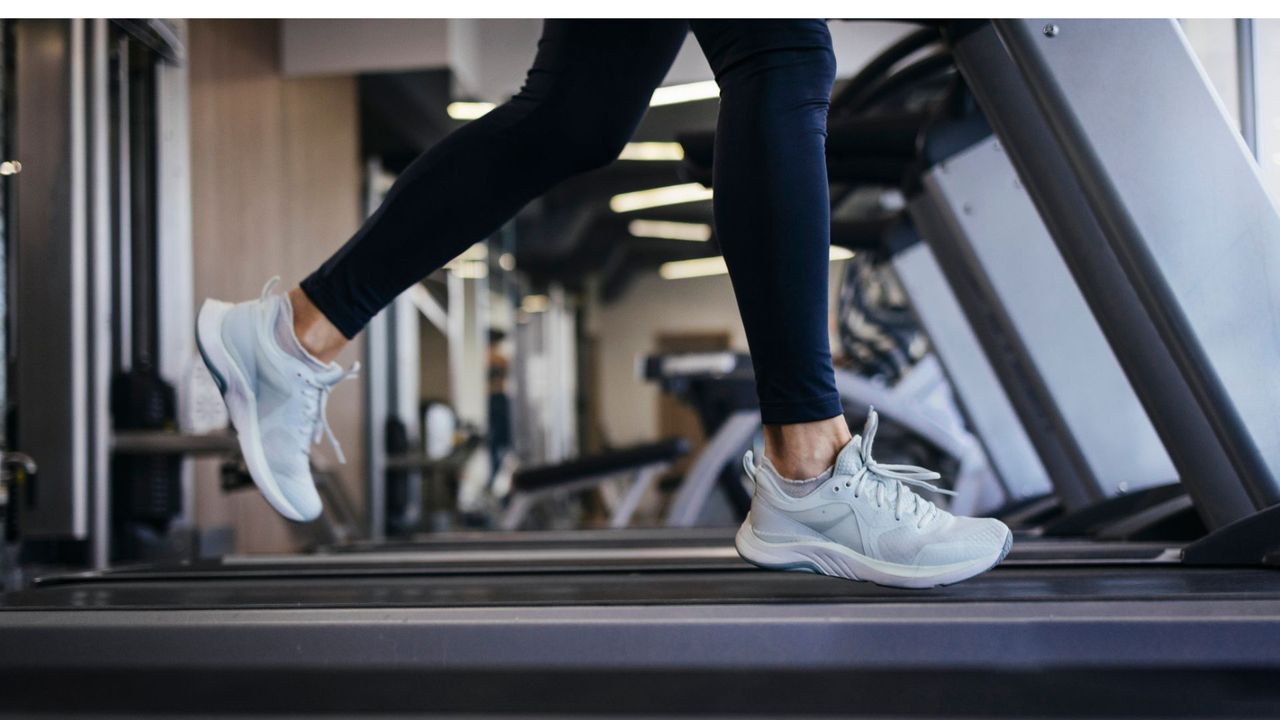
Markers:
276,188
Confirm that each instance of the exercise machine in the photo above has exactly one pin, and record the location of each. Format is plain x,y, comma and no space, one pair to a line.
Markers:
598,631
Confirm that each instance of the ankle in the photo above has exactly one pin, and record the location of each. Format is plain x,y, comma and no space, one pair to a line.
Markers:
805,450
314,332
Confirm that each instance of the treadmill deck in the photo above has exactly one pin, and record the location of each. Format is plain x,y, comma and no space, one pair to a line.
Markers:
640,631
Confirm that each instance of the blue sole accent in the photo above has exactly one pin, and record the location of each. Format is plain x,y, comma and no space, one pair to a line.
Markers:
218,380
1008,545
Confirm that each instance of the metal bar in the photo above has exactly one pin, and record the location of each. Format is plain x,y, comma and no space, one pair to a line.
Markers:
516,510
80,427
375,408
562,367
733,438
175,285
124,212
159,36
50,251
7,184
640,484
1247,78
1199,246
160,442
376,347
406,397
100,315
430,308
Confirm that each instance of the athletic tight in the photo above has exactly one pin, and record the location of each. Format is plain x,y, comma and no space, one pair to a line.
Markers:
583,98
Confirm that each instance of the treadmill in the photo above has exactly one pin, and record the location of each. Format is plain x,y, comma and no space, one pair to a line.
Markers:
632,636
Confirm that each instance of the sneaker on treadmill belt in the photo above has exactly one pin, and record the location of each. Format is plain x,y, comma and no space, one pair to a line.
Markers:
275,399
865,523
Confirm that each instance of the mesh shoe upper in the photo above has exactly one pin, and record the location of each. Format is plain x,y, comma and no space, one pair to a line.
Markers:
871,508
291,396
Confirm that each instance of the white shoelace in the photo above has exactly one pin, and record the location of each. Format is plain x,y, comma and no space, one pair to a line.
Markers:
893,477
320,422
320,427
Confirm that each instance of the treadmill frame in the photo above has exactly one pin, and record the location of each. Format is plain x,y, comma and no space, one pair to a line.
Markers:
1088,175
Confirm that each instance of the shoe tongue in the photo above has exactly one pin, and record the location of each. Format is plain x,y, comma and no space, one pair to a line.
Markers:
330,375
849,461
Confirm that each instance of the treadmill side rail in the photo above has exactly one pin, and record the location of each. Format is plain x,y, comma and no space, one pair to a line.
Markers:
993,228
1180,200
1202,463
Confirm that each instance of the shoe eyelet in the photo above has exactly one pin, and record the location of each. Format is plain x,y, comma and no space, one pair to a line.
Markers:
836,489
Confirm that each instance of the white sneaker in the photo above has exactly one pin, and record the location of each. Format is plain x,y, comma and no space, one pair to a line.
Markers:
276,401
864,523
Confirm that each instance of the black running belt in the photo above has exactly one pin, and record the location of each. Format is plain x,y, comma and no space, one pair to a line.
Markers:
738,586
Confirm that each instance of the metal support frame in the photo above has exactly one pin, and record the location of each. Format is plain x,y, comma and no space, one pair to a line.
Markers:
1004,348
1199,246
50,272
725,446
404,353
174,266
642,478
990,225
985,403
376,381
1059,166
100,304
468,339
545,376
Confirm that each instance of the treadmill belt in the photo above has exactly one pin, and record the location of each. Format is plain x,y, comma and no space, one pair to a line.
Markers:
662,587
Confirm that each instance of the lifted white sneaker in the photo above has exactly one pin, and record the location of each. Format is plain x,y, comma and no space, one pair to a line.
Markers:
276,401
864,523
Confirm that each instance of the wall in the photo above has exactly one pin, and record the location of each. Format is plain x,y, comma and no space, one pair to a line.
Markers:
329,47
489,57
276,187
627,329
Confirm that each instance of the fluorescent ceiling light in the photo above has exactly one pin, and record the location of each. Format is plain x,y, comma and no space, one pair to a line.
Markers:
657,197
698,267
695,232
669,95
468,110
703,267
688,92
652,151
534,303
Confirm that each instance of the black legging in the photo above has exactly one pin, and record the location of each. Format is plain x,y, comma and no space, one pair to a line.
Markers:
583,98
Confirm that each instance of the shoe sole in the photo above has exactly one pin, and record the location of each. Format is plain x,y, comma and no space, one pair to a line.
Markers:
241,401
838,561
